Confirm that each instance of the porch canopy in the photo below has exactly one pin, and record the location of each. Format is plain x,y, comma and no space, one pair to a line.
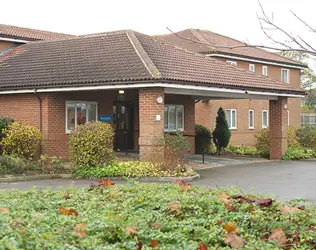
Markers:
130,60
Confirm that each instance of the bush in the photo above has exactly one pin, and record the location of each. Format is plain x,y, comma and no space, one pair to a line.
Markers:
221,134
21,140
263,144
91,144
299,154
13,165
307,136
202,139
134,215
4,123
241,150
130,169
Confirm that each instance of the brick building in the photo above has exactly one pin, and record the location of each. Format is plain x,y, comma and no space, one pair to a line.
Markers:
142,86
245,116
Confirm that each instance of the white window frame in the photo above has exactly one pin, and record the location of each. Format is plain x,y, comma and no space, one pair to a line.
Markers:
251,65
234,63
87,114
265,70
229,125
288,118
174,130
253,117
265,111
288,75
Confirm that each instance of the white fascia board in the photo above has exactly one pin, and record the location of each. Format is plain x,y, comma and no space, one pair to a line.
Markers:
13,40
149,85
256,61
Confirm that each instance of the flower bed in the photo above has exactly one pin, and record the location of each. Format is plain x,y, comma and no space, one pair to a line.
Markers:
132,169
146,216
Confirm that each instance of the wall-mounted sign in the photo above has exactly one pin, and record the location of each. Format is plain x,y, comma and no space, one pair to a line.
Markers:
105,118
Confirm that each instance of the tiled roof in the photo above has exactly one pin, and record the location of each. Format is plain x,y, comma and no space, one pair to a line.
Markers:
123,56
204,41
14,32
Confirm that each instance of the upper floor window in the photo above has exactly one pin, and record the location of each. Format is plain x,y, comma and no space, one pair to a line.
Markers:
174,118
78,113
285,75
251,119
232,63
265,119
265,70
231,116
252,67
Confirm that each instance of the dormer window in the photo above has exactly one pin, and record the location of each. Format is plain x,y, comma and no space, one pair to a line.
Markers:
232,63
251,67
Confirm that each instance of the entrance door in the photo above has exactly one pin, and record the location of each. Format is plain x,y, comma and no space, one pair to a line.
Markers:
123,120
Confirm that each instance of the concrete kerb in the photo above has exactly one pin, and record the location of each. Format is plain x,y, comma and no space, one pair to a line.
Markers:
67,176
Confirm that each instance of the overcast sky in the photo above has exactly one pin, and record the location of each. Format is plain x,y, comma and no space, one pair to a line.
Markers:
234,18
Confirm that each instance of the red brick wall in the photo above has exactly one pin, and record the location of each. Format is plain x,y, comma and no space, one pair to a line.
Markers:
206,113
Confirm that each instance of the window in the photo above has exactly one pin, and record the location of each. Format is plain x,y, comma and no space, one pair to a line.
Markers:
265,119
265,70
231,118
78,113
252,67
232,63
174,117
251,119
285,75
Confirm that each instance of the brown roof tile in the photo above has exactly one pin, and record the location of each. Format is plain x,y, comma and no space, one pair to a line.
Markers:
14,32
123,56
201,41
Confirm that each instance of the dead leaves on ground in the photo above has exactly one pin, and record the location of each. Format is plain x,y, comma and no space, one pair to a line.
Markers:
183,185
232,239
102,183
65,211
202,246
267,202
174,206
278,235
80,230
289,210
154,243
131,230
4,210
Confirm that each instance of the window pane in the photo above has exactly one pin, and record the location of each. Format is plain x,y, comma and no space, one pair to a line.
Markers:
70,116
172,117
166,117
228,118
180,117
265,119
81,113
251,119
92,112
233,118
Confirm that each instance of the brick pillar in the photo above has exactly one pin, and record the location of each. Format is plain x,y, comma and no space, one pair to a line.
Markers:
278,128
151,130
189,122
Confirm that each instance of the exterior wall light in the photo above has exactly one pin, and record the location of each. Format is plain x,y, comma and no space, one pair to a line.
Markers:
159,100
121,92
285,106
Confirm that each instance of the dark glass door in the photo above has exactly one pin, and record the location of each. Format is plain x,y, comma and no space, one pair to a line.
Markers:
123,120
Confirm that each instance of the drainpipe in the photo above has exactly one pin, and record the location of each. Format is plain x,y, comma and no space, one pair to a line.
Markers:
40,117
40,110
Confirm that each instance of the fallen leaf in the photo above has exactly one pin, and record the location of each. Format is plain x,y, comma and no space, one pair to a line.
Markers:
234,241
230,228
67,196
5,210
153,243
65,211
286,210
186,189
227,202
202,246
278,235
155,225
80,230
219,221
131,230
180,182
260,202
264,202
139,245
310,228
174,206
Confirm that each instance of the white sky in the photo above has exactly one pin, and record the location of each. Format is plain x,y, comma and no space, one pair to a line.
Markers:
234,18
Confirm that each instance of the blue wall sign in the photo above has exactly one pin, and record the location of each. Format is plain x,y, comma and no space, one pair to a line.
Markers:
105,118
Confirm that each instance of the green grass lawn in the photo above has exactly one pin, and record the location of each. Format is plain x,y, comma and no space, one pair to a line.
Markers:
146,216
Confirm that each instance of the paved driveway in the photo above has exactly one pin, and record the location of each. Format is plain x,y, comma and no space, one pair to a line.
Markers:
287,179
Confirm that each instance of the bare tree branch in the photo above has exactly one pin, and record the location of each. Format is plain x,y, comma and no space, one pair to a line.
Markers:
305,23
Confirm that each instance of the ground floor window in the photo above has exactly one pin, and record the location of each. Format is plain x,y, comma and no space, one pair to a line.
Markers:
251,119
78,113
174,117
265,119
231,116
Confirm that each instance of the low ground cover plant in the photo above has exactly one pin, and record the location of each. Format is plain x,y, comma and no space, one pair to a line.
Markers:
299,153
16,166
134,169
152,216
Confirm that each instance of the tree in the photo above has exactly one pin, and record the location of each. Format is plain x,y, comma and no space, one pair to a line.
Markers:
221,134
